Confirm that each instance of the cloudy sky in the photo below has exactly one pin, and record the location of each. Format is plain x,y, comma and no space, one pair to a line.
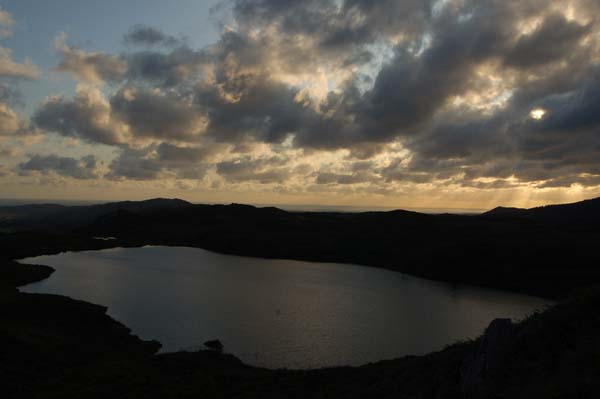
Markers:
402,103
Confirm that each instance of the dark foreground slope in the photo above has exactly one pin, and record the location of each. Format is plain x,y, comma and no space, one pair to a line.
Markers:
544,251
55,347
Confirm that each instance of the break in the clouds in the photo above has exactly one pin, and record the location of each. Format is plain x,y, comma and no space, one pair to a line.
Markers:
373,96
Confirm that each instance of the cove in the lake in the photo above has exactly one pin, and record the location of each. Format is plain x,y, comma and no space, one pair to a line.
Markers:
276,313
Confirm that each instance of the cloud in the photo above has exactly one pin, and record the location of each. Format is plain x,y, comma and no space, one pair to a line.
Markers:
6,18
12,69
11,73
135,165
148,36
264,170
9,122
354,178
93,68
83,168
157,114
422,92
161,161
172,153
8,152
6,23
87,116
552,41
181,65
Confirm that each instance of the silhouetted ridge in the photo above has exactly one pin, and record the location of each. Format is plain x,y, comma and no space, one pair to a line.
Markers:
502,211
583,215
53,217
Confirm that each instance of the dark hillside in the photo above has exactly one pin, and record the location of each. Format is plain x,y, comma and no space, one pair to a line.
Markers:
584,215
544,251
60,218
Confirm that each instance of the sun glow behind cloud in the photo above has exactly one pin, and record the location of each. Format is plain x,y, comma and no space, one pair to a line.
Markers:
537,113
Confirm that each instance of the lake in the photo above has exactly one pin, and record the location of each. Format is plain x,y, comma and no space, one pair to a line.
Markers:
276,313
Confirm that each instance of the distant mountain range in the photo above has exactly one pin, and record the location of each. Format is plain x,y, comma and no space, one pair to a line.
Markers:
584,214
53,216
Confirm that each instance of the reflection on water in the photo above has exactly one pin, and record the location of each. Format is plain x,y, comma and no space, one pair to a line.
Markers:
276,313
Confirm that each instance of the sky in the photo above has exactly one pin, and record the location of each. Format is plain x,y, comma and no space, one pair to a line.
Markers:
369,103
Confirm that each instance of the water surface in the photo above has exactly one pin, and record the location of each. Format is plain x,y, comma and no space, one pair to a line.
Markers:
276,313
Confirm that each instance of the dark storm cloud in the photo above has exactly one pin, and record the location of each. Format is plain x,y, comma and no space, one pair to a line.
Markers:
148,36
155,162
86,117
575,111
83,168
335,24
410,89
135,165
561,147
396,171
566,143
554,40
453,82
264,110
293,16
166,69
262,170
172,153
475,139
151,114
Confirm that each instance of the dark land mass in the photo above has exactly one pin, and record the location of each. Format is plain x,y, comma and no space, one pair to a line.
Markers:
547,251
57,347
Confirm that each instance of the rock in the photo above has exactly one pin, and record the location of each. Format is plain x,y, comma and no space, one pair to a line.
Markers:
214,344
495,344
478,371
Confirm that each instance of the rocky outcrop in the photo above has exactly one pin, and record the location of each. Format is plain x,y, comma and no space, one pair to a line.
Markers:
478,370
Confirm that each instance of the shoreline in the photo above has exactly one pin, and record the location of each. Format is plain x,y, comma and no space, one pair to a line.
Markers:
95,244
443,285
